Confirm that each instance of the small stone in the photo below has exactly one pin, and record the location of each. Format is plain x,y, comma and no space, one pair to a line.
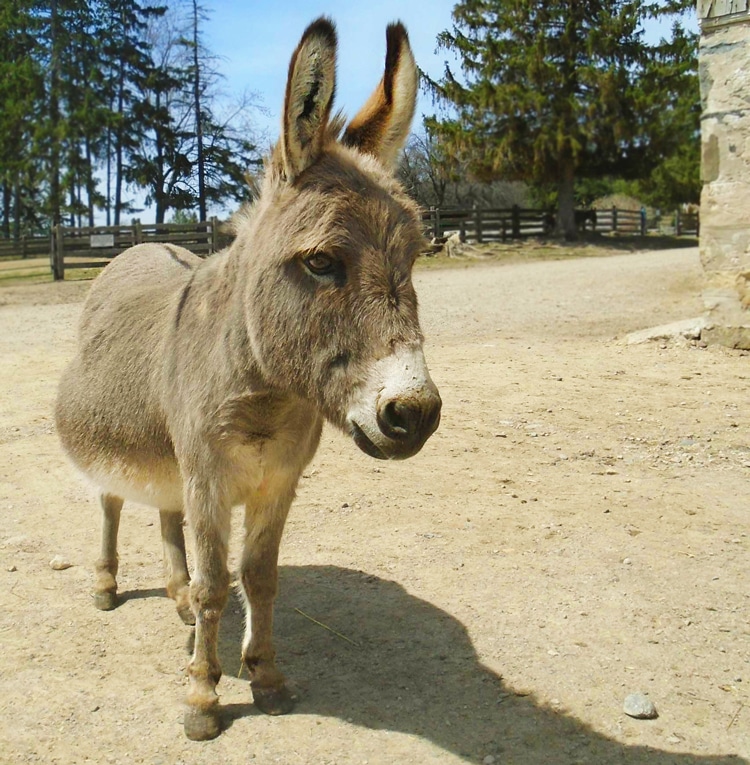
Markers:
640,706
488,760
627,561
58,563
344,505
11,569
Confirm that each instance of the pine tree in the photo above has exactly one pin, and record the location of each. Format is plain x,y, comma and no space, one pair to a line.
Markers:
21,97
560,89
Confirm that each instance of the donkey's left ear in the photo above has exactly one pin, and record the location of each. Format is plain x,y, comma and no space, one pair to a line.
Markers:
382,125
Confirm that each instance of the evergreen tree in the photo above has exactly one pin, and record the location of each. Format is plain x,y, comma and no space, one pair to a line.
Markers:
562,89
85,92
21,96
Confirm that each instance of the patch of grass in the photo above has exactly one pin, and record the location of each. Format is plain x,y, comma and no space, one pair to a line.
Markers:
29,276
42,275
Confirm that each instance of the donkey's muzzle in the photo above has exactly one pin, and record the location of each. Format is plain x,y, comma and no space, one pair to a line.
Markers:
399,409
405,425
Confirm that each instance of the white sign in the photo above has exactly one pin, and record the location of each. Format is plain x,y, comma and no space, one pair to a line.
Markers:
101,240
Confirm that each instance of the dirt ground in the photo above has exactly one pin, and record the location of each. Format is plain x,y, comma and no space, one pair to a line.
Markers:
577,530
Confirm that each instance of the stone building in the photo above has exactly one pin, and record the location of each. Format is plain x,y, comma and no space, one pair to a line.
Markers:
725,168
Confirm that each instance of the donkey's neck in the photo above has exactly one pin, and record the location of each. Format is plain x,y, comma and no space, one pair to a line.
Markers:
210,332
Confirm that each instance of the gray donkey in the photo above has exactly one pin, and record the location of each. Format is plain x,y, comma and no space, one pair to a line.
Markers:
200,385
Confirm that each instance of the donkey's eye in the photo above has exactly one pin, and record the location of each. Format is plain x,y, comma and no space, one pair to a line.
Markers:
320,264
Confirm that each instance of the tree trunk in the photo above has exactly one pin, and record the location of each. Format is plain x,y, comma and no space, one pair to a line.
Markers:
160,192
54,117
6,210
198,121
565,224
118,142
17,211
90,186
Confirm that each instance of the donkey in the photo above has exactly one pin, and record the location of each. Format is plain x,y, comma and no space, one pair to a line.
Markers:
200,385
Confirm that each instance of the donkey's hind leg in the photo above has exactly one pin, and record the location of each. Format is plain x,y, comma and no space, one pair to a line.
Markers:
105,589
178,579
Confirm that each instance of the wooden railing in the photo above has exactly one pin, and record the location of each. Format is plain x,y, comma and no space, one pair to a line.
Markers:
25,247
95,246
500,224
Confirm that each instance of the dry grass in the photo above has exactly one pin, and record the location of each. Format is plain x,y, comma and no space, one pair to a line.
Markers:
594,246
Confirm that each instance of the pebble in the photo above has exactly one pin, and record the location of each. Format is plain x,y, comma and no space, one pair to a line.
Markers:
488,760
11,569
58,563
640,706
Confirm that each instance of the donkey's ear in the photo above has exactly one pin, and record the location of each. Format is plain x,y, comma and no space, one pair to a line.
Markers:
382,125
309,94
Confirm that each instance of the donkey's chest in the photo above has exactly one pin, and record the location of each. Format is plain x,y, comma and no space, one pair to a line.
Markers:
262,454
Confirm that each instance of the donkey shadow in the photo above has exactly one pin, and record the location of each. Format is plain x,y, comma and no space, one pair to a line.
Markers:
414,670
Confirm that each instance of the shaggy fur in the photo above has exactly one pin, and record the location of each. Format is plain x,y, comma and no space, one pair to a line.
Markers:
200,385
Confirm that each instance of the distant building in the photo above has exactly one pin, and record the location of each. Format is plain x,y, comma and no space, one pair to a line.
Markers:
725,169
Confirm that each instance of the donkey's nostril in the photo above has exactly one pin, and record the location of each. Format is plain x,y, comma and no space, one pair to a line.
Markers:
397,419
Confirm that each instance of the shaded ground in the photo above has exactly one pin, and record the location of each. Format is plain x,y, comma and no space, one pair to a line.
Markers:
575,531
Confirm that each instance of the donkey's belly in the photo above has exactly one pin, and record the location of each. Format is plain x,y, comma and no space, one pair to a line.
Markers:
158,484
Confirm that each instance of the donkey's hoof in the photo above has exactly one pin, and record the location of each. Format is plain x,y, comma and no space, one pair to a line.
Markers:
105,601
201,724
274,701
186,614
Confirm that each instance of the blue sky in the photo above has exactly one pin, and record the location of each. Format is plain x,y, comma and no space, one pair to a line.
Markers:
255,39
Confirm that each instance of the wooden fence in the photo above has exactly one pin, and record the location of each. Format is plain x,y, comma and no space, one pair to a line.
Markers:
499,224
25,247
95,246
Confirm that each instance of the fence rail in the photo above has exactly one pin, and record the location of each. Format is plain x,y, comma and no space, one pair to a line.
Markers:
499,224
95,246
25,247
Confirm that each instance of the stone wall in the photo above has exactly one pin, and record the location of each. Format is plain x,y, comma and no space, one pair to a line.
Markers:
725,200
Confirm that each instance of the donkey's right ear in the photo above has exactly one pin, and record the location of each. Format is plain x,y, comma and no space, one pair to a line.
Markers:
310,89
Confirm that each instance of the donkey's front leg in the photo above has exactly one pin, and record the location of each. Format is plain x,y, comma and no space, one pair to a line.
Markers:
264,525
209,588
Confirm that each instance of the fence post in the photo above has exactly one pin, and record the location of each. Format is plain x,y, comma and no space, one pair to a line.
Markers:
52,246
58,261
516,221
478,223
462,231
678,223
643,221
137,231
614,218
698,223
213,244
